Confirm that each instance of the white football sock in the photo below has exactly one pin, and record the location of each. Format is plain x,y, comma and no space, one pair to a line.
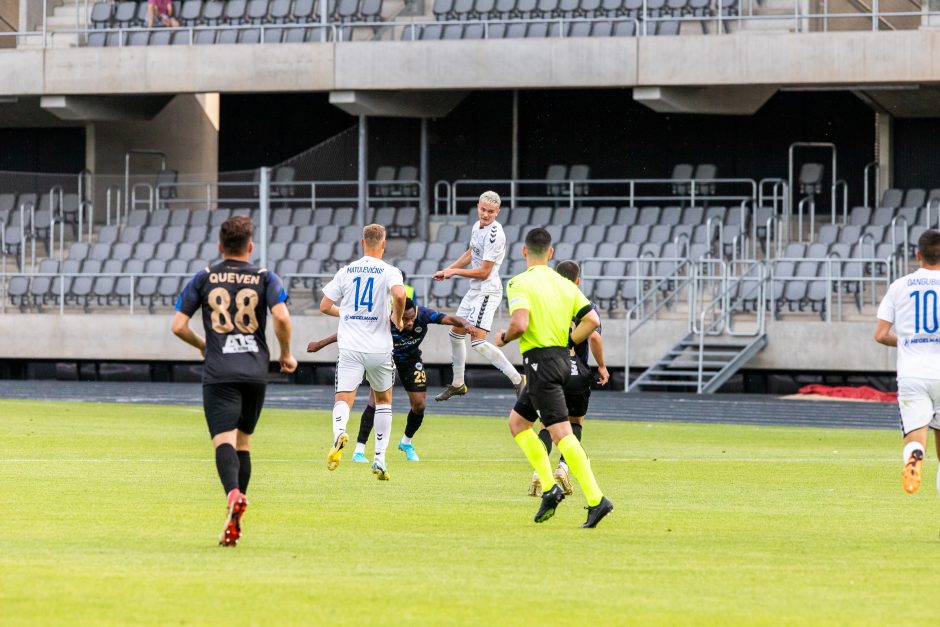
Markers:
909,448
340,418
360,448
496,357
405,439
458,345
383,430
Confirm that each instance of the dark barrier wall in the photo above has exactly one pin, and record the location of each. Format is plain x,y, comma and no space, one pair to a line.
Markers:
917,153
58,150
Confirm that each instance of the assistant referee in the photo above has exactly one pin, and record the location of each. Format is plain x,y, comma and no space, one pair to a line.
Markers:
542,304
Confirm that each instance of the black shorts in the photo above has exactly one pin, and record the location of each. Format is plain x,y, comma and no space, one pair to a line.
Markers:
230,406
548,374
412,374
577,393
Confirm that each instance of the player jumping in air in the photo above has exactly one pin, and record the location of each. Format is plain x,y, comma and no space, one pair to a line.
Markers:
407,356
484,256
578,392
542,305
234,296
368,291
910,305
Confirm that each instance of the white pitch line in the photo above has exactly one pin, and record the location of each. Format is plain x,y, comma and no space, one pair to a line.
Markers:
678,460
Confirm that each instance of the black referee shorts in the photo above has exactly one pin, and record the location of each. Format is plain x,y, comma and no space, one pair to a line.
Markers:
548,372
577,393
230,406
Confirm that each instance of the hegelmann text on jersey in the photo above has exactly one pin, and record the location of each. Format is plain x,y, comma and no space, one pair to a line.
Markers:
364,270
366,318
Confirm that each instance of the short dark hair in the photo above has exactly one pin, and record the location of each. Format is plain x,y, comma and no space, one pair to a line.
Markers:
569,269
409,304
234,235
929,247
538,241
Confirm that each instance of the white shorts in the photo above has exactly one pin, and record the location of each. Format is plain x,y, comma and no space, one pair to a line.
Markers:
377,368
919,402
480,308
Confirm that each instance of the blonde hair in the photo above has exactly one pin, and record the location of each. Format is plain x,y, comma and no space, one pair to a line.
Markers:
490,198
373,234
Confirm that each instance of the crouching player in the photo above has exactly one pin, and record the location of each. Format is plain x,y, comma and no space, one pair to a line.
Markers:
910,305
406,353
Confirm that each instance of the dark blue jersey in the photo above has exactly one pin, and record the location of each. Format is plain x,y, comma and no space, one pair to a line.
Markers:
407,344
580,350
235,297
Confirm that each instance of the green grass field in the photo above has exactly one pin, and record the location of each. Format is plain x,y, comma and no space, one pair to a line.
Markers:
109,514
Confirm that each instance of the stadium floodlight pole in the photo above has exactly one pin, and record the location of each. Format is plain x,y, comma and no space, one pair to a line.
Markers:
363,169
264,201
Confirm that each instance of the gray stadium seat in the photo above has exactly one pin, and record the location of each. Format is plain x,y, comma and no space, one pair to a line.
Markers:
605,216
541,216
160,37
125,14
431,32
624,28
320,250
573,233
517,215
249,36
272,35
452,31
454,250
205,37
191,12
580,29
235,11
227,36
649,215
915,197
892,198
601,29
180,38
344,215
101,13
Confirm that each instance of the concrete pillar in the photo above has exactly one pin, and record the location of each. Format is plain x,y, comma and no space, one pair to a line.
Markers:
186,130
885,157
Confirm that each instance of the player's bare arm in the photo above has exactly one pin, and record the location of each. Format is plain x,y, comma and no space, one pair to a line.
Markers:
398,306
318,345
281,318
328,307
588,325
518,324
458,323
181,329
480,273
596,345
462,262
884,333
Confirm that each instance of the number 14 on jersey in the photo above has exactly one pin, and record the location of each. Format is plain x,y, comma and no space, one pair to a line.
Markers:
364,293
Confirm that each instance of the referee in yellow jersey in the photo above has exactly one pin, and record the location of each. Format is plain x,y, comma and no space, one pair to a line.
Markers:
542,304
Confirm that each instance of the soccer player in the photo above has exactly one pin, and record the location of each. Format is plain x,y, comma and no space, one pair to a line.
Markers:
368,291
234,296
484,256
542,304
578,394
406,353
910,305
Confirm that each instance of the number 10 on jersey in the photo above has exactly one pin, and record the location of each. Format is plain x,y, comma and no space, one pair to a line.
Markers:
925,311
364,293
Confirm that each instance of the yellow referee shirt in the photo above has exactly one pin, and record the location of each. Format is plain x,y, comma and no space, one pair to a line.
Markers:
552,300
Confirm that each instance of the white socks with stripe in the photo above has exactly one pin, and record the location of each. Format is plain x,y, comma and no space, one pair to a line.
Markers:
498,359
340,419
909,448
383,430
458,347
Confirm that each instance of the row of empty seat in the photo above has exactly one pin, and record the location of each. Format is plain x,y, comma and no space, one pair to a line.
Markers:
530,30
130,14
573,9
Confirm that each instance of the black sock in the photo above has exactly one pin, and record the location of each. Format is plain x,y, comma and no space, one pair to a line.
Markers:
546,439
226,462
365,424
414,423
244,470
576,429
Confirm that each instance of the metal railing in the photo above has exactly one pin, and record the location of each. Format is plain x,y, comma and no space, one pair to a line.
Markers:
572,192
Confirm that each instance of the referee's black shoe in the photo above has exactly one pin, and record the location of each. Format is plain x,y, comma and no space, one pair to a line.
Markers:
550,501
597,512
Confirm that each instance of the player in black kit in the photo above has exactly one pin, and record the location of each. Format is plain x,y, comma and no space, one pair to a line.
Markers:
235,297
406,353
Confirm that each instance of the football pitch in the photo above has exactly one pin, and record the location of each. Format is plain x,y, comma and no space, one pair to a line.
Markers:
111,513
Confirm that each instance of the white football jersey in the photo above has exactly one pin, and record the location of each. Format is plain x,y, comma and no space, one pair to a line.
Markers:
363,291
487,244
911,304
